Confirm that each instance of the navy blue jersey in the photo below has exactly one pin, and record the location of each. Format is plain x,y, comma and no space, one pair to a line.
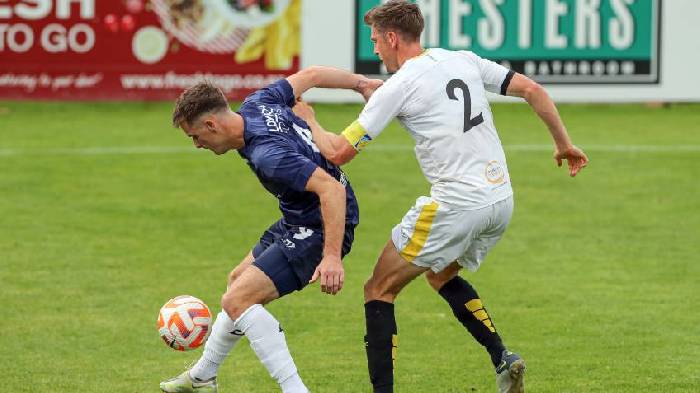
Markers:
279,149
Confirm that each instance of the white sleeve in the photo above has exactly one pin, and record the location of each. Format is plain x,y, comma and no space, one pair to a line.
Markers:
496,77
384,105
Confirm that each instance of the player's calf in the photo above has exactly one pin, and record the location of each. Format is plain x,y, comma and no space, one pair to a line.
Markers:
468,308
381,343
390,275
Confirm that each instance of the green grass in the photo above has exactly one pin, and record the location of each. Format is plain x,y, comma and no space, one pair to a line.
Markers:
595,282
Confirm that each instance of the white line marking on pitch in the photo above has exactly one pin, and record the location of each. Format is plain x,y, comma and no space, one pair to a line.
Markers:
130,150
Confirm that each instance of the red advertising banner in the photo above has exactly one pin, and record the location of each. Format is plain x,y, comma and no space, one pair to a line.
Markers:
144,49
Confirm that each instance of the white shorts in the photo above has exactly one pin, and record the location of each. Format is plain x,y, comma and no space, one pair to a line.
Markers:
433,236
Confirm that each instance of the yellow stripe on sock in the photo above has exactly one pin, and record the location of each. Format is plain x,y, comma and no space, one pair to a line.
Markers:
481,315
474,304
477,309
420,232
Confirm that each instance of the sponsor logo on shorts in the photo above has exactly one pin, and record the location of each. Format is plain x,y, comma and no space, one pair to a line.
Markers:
288,243
303,233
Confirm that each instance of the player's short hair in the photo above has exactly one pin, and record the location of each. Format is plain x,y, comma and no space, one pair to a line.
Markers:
397,15
204,97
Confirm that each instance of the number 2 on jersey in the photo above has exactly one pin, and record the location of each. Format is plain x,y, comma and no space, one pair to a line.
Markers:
469,122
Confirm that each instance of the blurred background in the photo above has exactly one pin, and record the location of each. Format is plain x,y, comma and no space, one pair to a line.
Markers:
586,51
106,211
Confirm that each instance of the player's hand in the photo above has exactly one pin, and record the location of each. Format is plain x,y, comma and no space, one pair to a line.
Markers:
368,86
574,156
331,273
304,111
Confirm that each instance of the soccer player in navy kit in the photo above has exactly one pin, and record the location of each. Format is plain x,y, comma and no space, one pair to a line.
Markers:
319,214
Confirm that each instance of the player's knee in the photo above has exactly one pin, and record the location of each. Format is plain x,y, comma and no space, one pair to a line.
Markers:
231,277
436,280
369,289
379,290
233,305
235,273
432,280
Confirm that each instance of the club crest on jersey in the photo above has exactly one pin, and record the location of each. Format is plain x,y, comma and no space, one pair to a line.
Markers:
494,172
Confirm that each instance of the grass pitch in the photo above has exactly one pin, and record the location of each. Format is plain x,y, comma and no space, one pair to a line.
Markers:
106,213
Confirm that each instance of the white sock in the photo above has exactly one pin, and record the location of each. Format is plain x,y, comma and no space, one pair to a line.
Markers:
269,344
220,342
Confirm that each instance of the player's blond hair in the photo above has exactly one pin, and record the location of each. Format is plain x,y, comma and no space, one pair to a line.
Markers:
397,15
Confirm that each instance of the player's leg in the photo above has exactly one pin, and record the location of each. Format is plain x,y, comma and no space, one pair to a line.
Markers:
468,308
201,378
510,371
267,279
494,219
285,266
390,275
222,338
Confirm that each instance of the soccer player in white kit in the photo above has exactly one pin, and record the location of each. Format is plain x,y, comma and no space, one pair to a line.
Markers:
439,96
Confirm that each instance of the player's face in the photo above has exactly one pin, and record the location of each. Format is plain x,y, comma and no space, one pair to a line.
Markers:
384,49
205,136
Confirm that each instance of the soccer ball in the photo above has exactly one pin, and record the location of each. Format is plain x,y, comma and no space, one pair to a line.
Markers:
184,323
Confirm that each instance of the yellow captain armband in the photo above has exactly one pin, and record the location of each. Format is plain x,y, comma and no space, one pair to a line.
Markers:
357,136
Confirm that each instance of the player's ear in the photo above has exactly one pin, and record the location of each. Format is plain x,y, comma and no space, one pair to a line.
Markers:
393,39
210,124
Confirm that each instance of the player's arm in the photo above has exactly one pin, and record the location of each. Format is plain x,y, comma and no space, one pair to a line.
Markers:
537,97
331,194
335,148
277,160
334,78
384,104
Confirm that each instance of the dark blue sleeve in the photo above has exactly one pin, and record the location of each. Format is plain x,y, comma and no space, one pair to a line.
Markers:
283,164
279,92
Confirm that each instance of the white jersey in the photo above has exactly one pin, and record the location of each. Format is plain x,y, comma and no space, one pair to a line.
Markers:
440,99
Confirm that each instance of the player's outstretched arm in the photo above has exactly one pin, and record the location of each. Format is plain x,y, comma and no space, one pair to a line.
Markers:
332,197
334,78
537,97
335,148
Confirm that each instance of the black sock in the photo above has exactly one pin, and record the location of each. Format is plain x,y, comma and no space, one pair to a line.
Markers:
469,310
380,343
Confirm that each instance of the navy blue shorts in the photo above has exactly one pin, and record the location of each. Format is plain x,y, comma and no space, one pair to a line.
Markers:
289,254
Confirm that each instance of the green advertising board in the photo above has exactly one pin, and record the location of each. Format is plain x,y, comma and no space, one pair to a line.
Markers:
551,41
